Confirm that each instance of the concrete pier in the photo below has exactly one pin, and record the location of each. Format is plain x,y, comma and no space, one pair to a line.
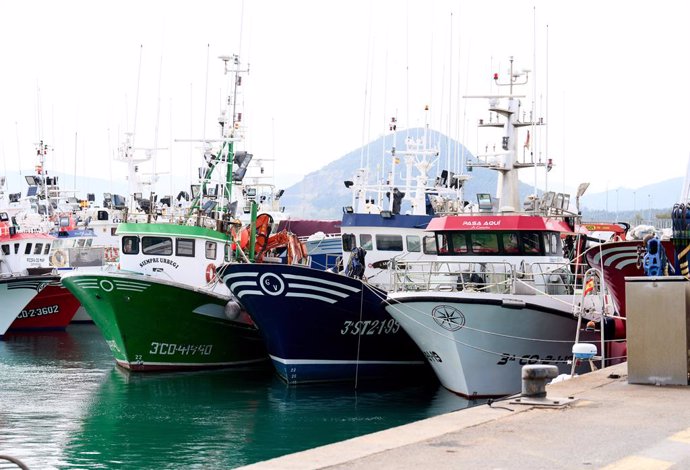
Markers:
610,424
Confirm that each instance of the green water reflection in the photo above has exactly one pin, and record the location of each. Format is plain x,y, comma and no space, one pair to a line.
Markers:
68,406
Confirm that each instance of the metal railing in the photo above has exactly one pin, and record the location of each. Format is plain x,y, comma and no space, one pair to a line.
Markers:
499,277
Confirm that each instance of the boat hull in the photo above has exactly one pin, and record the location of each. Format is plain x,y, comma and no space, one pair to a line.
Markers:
478,344
152,325
323,327
16,293
618,260
52,309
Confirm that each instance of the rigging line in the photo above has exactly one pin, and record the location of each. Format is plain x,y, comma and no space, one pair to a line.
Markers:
407,67
366,97
170,146
158,115
379,177
390,302
368,120
19,156
136,102
534,97
450,93
456,341
546,113
239,48
359,337
208,52
191,129
39,118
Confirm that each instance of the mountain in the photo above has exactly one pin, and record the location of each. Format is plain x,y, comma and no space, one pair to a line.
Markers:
322,194
661,195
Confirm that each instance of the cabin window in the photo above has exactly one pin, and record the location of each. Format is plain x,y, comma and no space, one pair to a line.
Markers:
510,242
228,251
365,242
113,231
484,242
16,248
442,242
349,242
89,242
102,215
6,250
27,250
430,245
156,246
184,247
130,245
80,243
211,248
389,243
530,243
46,250
38,248
459,243
414,245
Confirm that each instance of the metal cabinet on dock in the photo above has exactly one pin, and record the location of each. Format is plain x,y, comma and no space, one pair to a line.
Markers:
658,325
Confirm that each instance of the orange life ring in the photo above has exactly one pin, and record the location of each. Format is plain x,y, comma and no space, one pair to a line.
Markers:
210,273
111,254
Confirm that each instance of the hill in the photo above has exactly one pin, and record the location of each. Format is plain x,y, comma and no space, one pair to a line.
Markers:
322,194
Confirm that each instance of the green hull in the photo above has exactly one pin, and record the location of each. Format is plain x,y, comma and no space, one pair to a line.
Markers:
159,325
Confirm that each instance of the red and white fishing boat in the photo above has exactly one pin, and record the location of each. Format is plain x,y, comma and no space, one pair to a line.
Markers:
25,275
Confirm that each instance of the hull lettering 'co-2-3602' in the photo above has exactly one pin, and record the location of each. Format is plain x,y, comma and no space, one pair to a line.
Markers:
39,312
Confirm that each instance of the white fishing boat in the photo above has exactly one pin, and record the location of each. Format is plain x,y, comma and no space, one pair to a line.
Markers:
501,293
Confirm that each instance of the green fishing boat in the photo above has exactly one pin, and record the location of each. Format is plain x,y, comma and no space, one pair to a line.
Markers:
154,324
164,307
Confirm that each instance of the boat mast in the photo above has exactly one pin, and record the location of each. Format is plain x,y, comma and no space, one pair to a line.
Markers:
505,160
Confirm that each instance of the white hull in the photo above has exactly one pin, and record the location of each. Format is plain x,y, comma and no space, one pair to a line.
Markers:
478,343
15,296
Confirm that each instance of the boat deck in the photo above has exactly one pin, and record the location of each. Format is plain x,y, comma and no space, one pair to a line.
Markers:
611,424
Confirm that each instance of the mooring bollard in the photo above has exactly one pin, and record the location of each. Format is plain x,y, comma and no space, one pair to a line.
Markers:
534,379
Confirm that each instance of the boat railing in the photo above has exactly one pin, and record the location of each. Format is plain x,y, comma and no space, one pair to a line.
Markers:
498,277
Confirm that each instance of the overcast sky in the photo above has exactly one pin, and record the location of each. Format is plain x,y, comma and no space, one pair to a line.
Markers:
325,77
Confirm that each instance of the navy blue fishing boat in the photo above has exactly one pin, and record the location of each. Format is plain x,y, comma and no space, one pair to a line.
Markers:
322,326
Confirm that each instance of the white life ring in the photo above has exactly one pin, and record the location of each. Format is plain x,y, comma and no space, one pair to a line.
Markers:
210,272
58,259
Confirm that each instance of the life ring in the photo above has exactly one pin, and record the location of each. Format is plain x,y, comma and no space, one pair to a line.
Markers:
210,273
111,254
58,259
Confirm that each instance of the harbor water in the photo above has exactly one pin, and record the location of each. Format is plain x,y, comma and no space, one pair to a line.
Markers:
65,404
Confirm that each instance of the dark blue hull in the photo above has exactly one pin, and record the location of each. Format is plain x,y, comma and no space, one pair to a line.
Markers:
320,327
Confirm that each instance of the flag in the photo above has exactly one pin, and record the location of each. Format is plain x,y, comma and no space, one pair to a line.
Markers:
589,286
527,141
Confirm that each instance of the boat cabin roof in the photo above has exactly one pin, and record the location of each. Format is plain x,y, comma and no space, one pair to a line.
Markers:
498,222
171,230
